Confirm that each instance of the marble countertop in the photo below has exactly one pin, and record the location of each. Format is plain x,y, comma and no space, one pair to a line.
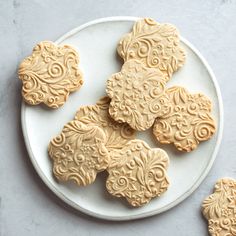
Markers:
27,206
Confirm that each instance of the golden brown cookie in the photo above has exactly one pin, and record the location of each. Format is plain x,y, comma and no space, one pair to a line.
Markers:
137,93
50,74
138,173
79,153
220,208
188,121
117,135
156,45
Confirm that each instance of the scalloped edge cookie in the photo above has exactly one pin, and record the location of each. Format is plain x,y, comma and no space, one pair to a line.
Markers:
187,122
156,45
79,153
50,74
136,93
220,208
138,173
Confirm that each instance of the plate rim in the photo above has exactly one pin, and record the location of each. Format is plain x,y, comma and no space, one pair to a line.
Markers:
197,183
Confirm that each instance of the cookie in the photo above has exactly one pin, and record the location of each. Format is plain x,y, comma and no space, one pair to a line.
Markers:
220,208
117,135
136,93
79,153
50,74
154,44
187,122
138,173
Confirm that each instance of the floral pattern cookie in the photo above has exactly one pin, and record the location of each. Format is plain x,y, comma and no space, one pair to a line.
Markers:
117,134
137,95
187,122
79,153
220,208
50,74
154,44
138,173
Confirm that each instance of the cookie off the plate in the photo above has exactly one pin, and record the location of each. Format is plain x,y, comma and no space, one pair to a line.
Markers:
50,74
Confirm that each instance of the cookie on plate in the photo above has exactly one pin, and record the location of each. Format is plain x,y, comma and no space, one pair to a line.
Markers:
154,44
187,122
49,74
138,173
117,134
79,153
137,94
220,208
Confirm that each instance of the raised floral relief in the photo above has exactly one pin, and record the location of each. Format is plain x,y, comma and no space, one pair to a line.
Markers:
138,173
187,122
79,153
117,134
220,208
137,95
102,136
154,44
50,74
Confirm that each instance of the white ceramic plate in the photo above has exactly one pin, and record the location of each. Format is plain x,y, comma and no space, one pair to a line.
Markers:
96,42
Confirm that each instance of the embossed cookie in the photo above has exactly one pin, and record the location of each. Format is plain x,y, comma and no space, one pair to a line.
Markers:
156,45
188,121
79,153
220,208
138,173
50,74
137,94
117,134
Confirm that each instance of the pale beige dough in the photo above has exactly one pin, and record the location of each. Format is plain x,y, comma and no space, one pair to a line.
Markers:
155,45
137,95
117,134
49,74
187,122
79,153
220,208
138,173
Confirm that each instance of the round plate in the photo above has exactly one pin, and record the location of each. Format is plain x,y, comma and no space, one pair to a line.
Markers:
96,42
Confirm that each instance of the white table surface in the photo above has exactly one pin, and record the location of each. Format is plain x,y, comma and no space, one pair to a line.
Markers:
27,206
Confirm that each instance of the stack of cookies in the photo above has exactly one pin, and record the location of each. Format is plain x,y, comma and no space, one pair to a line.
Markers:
139,93
102,136
94,142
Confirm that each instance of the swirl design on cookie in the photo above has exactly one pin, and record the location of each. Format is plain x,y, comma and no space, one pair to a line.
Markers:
137,173
117,134
50,74
187,120
154,44
79,153
220,208
136,92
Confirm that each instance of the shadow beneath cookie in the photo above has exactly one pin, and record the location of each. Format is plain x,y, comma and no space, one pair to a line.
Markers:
149,137
119,60
204,222
171,150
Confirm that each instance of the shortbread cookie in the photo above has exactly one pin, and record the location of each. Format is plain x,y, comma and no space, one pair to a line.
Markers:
136,93
79,153
188,121
220,208
117,135
156,45
50,74
138,173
